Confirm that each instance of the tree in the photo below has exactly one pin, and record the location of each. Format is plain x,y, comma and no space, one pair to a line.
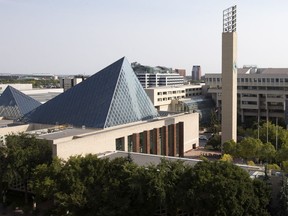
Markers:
215,141
285,166
267,152
25,152
249,148
227,158
93,186
5,178
283,198
44,179
229,147
215,125
220,188
282,153
282,134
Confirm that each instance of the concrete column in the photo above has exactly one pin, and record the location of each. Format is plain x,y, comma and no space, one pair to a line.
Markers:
181,138
136,142
146,138
165,148
157,146
172,151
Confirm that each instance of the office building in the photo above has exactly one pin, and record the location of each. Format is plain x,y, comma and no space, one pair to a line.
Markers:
196,73
156,76
164,98
262,93
181,72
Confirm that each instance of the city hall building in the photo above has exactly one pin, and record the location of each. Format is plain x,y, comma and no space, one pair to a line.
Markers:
106,112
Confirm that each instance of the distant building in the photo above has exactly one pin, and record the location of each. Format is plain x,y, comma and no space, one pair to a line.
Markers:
156,76
164,97
196,73
68,82
181,72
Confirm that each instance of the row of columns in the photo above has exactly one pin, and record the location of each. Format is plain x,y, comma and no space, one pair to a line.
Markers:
164,141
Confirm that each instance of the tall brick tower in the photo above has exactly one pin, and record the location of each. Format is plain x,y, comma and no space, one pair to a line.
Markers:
229,76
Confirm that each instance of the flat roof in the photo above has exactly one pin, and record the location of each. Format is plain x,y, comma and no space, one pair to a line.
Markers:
68,132
178,86
146,159
5,123
142,159
76,131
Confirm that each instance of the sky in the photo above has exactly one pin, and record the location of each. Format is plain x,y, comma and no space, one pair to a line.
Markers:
84,36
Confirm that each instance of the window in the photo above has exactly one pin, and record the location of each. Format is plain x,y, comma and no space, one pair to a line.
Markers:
120,146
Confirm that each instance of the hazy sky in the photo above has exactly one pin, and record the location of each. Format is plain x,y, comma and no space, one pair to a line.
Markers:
83,36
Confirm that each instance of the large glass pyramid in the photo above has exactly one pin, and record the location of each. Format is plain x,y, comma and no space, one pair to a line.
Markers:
111,97
14,104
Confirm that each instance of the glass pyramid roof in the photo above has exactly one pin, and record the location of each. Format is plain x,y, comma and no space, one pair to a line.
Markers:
14,104
111,97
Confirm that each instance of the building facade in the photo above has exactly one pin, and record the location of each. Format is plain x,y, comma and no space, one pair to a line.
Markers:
181,72
148,80
261,92
196,73
164,98
157,76
68,82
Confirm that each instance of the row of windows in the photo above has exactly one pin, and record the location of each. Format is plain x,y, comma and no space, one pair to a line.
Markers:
193,94
153,138
169,98
259,80
171,92
194,89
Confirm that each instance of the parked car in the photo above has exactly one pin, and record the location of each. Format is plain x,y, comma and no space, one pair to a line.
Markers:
203,137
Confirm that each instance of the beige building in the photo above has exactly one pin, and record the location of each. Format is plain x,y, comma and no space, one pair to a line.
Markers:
171,136
165,98
261,92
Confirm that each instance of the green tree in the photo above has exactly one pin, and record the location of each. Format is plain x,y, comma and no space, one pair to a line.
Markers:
273,133
5,178
44,179
25,152
282,153
283,198
227,158
267,152
229,147
215,126
215,142
285,166
249,148
220,188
